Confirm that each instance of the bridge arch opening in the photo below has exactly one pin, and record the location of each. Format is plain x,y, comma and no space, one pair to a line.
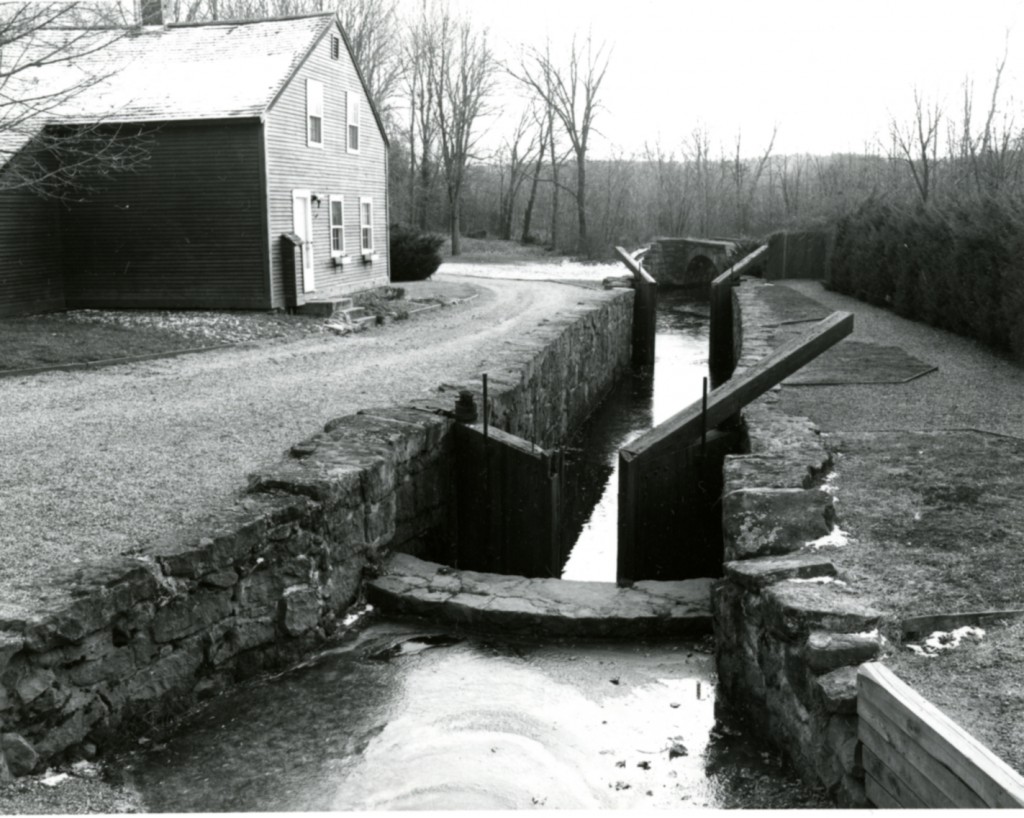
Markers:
701,269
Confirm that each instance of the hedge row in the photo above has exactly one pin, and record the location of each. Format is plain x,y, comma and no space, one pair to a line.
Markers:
961,268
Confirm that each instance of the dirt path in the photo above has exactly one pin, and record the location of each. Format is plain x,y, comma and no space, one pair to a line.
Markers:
99,463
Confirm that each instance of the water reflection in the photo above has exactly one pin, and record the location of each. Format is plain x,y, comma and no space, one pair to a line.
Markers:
402,717
590,516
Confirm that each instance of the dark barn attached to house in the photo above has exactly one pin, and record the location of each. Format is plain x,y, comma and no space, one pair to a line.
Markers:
251,131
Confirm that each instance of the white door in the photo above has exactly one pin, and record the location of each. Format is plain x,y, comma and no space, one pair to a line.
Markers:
302,218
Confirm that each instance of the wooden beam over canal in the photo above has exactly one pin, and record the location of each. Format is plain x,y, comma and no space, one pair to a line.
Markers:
649,467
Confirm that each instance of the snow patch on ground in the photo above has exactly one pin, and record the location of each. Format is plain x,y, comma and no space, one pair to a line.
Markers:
836,537
941,641
818,580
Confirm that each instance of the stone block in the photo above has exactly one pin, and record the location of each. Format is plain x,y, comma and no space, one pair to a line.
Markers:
233,536
767,471
851,793
174,672
94,646
189,614
259,593
300,610
797,608
220,579
759,522
117,665
827,651
10,644
239,634
20,754
841,738
759,572
34,684
380,521
837,691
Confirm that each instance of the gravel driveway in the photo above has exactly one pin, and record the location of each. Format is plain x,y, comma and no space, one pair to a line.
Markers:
98,463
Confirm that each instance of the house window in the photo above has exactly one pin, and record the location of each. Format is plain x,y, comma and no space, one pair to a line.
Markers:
366,224
335,48
354,106
314,113
337,219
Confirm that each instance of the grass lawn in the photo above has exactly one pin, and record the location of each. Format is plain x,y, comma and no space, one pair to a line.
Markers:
936,521
81,336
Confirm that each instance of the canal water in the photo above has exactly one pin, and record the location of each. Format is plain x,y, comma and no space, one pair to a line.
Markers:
404,715
635,406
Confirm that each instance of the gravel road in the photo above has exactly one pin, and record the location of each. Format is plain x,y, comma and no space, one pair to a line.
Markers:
98,463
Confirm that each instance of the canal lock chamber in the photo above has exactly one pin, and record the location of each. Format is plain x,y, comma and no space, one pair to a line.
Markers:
404,714
533,512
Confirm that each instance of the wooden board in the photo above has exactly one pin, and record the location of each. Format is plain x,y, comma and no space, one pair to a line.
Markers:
901,791
645,311
858,362
659,454
910,763
884,699
683,427
507,502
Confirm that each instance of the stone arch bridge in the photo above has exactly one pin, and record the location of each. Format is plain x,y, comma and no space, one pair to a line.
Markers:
687,262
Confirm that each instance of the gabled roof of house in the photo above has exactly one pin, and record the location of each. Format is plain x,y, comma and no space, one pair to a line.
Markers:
173,73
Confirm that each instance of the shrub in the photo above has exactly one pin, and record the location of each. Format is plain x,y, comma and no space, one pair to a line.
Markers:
415,256
960,267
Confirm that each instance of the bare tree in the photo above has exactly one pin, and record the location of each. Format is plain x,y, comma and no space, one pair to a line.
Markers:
47,67
462,79
747,179
918,144
375,36
541,121
519,157
421,52
571,92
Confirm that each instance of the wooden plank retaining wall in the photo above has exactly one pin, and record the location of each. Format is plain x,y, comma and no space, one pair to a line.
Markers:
917,757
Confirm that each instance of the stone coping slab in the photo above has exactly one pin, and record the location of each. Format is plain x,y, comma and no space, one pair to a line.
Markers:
568,608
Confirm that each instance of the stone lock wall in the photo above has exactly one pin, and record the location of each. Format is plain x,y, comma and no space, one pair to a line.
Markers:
116,647
790,633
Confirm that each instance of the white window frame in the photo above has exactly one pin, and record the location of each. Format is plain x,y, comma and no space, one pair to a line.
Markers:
353,115
314,108
368,252
335,47
339,255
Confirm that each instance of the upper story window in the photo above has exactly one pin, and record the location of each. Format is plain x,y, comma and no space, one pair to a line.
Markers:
337,220
314,113
366,224
353,114
335,48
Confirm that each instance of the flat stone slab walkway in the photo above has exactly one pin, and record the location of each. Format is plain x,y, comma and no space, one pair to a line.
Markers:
562,607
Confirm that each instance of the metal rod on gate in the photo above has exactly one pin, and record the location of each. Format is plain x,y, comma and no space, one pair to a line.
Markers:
704,418
485,404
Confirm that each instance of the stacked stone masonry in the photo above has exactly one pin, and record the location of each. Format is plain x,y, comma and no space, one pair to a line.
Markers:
790,633
118,647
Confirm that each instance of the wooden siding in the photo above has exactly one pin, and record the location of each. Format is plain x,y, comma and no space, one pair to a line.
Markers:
31,278
293,165
184,232
916,757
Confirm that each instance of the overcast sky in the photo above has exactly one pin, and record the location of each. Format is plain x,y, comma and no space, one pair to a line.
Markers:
829,74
